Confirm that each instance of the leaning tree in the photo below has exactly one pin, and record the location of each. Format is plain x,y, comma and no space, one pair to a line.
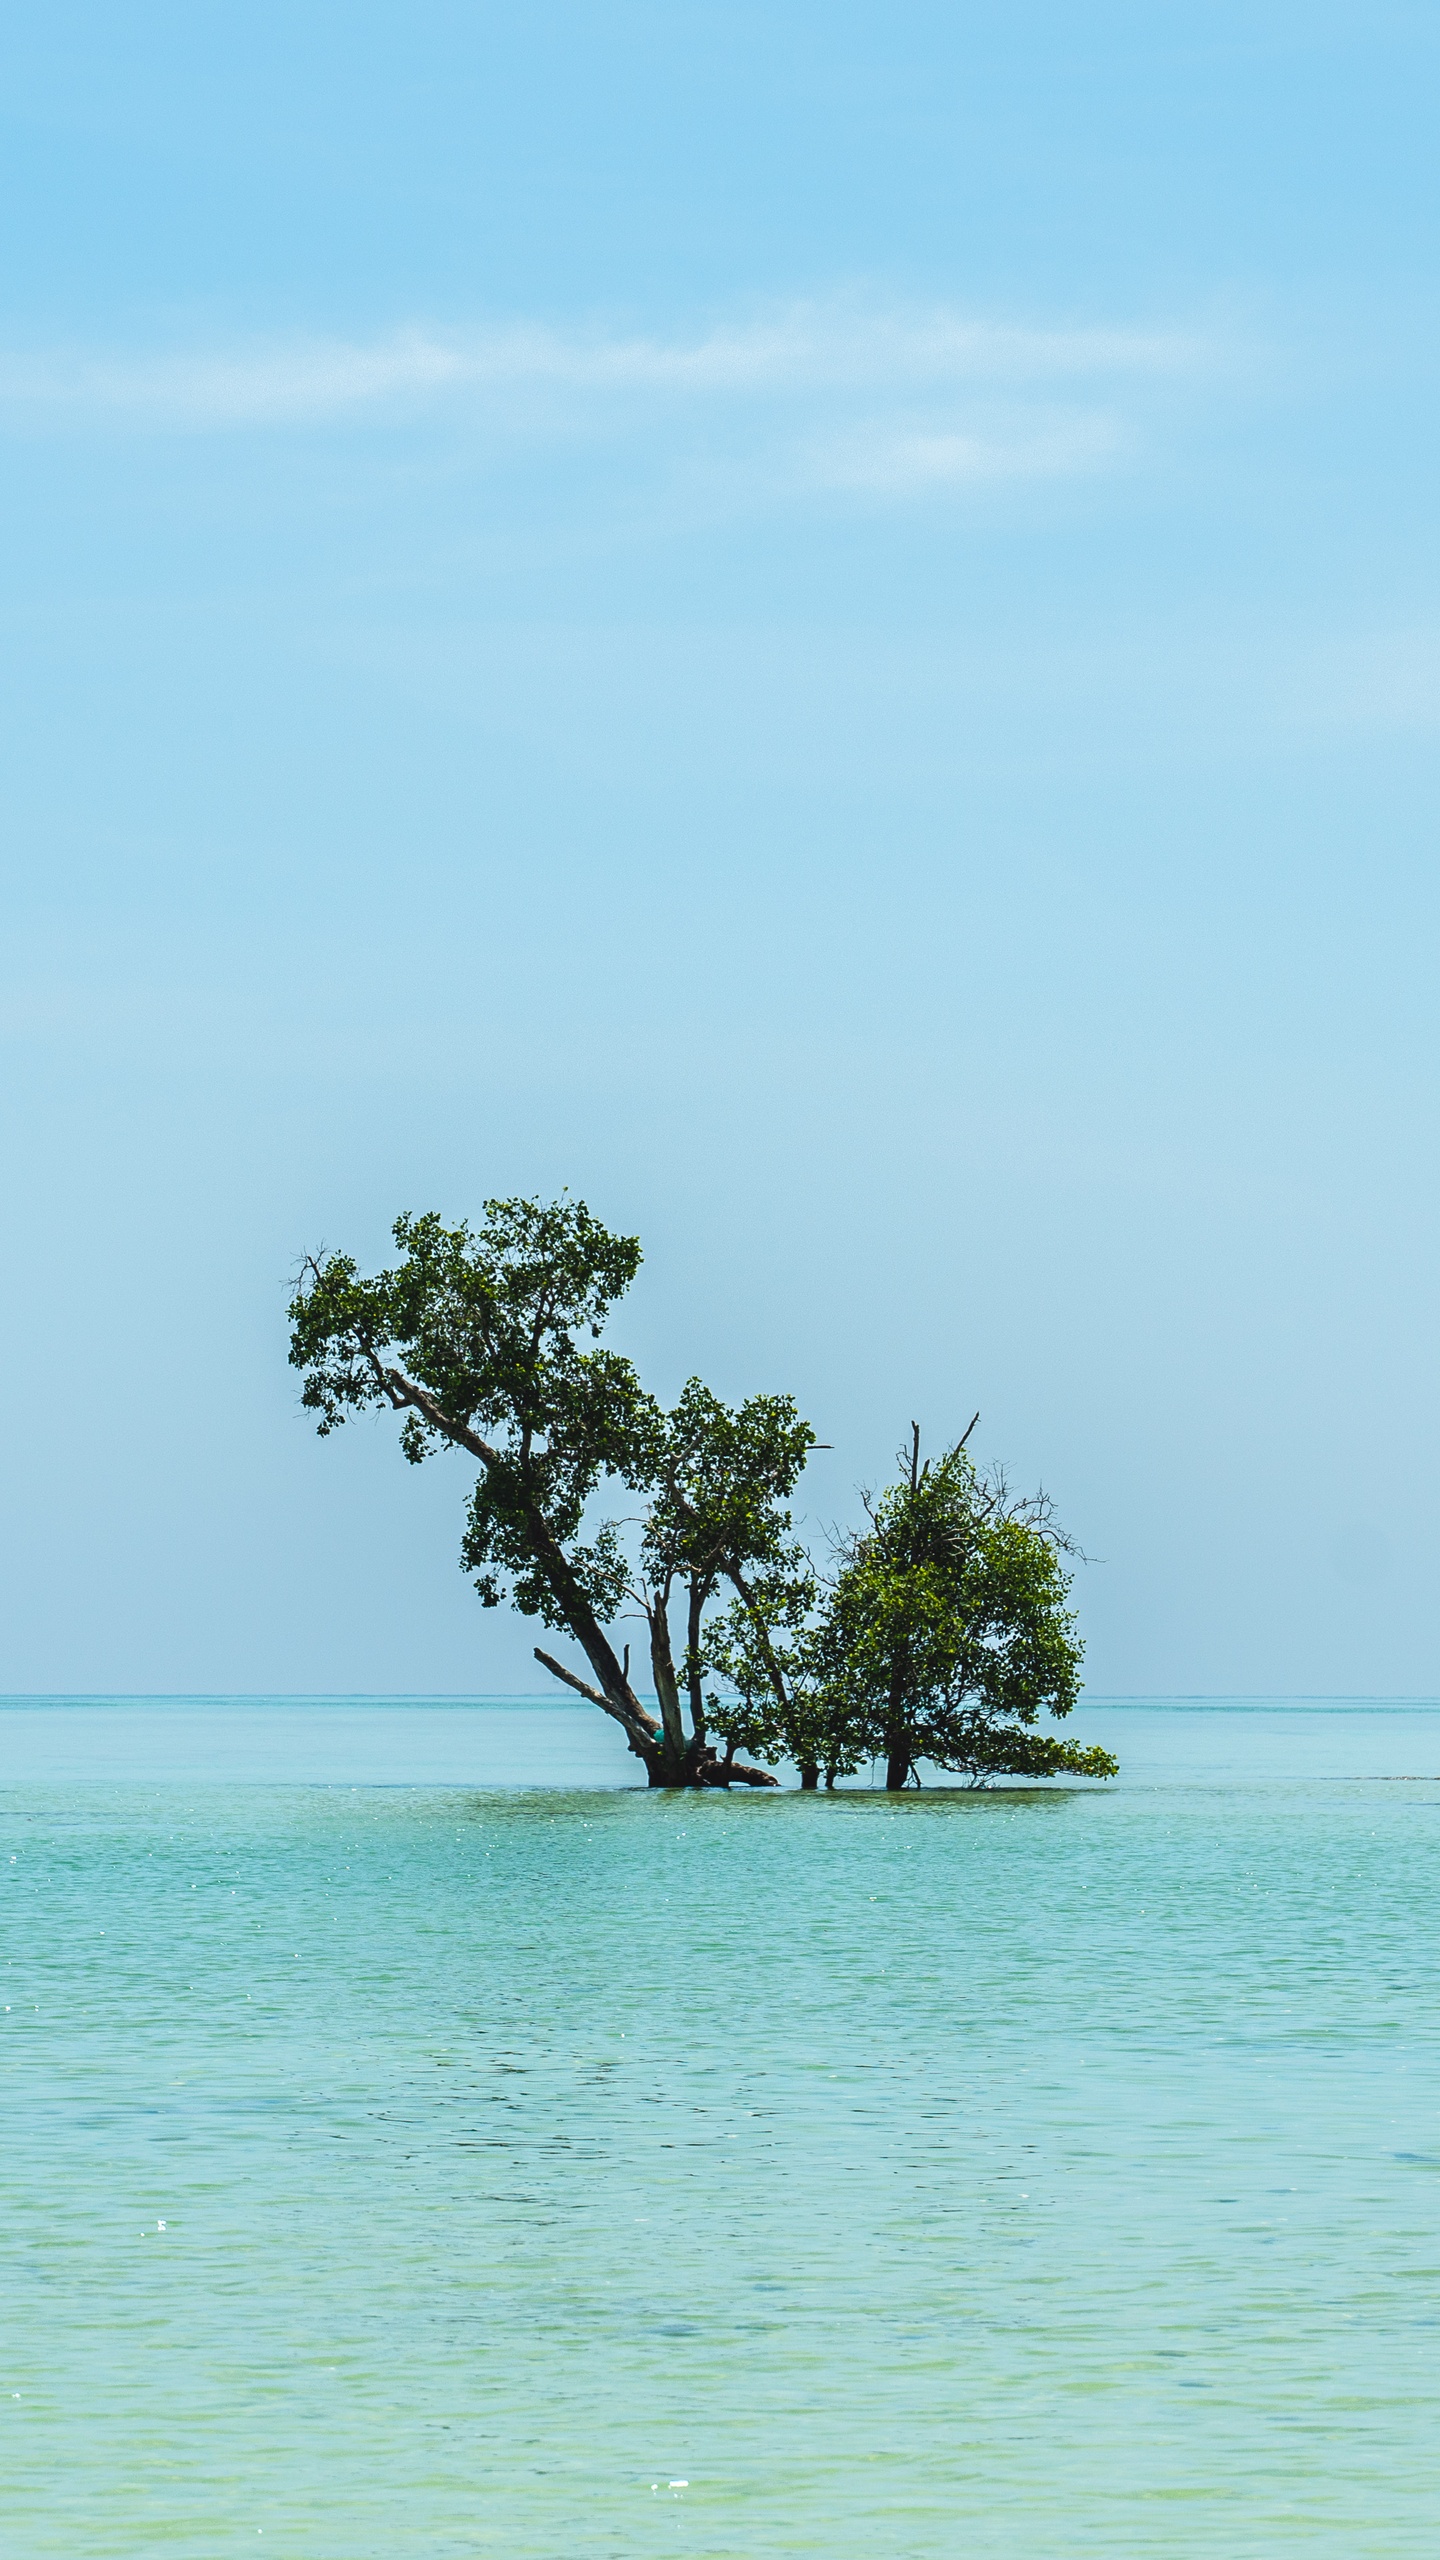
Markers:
488,1340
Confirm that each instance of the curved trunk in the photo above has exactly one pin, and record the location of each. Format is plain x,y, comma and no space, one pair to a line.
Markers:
674,1753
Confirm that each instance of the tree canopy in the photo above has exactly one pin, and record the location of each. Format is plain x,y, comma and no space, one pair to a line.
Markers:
947,1632
939,1633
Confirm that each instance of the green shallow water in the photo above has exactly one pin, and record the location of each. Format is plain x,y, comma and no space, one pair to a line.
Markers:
1017,2174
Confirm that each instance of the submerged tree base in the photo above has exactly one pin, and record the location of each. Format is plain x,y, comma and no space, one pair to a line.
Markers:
704,1767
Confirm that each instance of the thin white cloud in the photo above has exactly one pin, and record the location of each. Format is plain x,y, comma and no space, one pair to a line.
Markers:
295,383
808,349
908,461
842,395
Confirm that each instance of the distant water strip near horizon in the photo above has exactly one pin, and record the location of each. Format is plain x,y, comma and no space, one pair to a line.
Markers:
530,1741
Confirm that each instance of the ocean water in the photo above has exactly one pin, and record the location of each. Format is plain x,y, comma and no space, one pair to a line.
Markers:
419,2141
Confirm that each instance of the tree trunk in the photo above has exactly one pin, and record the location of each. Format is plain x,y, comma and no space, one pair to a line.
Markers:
699,1593
809,1775
897,1749
709,1770
673,1752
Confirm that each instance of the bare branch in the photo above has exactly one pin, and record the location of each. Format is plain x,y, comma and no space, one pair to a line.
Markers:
635,1726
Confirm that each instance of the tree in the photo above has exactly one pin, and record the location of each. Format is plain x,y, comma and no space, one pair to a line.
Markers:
478,1338
946,1632
717,1521
941,1635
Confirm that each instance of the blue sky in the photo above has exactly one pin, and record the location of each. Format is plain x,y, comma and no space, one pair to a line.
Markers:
819,623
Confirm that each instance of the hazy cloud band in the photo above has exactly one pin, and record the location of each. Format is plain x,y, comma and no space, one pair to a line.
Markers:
859,395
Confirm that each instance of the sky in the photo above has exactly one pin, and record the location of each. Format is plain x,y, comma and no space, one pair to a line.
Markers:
817,622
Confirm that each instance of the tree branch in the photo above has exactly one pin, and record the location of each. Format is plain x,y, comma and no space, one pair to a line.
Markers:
762,1637
637,1730
403,1391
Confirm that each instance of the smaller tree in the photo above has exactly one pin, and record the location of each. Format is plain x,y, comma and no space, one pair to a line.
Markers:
718,1521
946,1632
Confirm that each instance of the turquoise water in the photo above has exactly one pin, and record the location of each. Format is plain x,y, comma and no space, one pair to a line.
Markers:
411,2156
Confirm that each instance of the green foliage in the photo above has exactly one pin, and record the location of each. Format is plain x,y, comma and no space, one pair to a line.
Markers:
763,1648
942,1635
723,1477
478,1337
947,1631
720,1482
